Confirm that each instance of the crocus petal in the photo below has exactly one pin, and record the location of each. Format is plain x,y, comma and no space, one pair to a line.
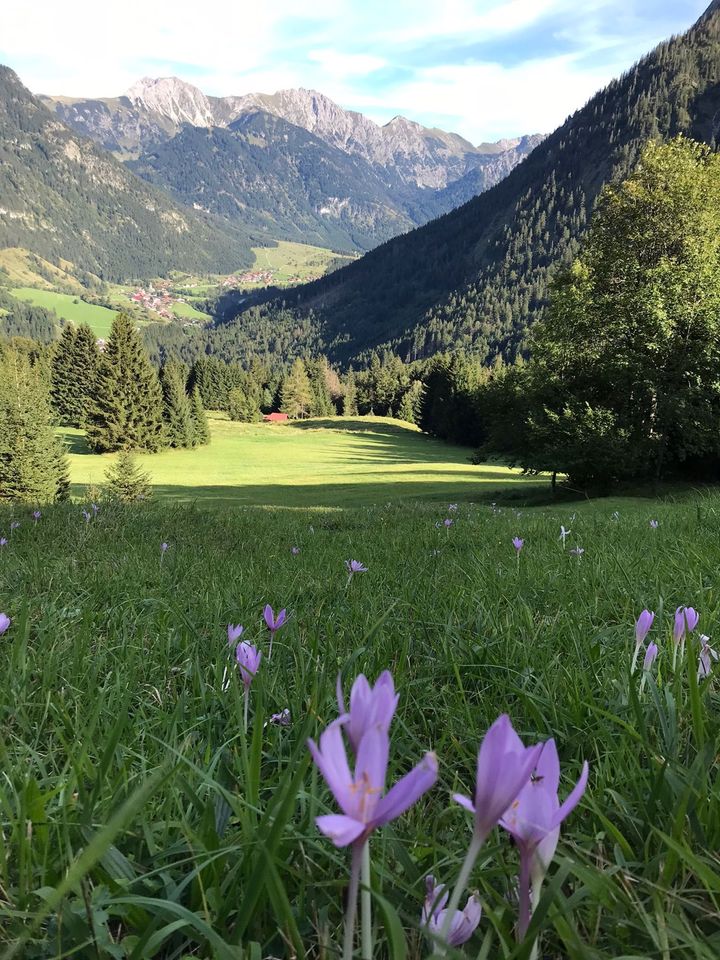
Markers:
407,790
464,802
331,760
574,797
464,923
691,618
340,829
545,851
371,771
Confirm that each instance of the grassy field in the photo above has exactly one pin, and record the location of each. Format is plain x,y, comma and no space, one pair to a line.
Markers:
293,260
315,463
141,820
69,308
19,270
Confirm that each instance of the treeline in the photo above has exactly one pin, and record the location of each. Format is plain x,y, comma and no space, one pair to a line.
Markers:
118,397
624,377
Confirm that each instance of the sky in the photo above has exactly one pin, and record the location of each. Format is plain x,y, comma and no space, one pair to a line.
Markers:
483,68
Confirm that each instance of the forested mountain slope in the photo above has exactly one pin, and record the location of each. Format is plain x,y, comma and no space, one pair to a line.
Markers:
477,277
62,196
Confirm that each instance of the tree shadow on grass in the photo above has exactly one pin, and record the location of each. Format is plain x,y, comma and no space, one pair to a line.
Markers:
331,496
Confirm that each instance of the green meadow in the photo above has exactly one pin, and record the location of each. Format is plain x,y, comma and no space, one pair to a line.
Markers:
69,308
335,462
140,819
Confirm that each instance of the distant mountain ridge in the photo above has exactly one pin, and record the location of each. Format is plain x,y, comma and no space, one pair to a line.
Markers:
292,165
154,109
477,278
63,197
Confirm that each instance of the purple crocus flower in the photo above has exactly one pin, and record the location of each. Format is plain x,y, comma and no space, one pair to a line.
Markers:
447,523
369,706
4,623
273,623
564,534
281,719
164,547
434,915
234,633
86,515
534,818
452,507
518,544
577,551
642,626
685,618
654,524
3,541
248,658
95,508
650,656
294,551
355,566
504,765
36,515
361,794
705,660
14,525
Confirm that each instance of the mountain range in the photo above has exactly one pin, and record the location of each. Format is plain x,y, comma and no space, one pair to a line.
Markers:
291,165
477,278
62,197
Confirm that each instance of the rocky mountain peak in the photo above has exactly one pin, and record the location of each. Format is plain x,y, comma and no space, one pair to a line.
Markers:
173,99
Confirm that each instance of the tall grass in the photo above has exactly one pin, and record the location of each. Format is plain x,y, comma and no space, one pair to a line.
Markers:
138,819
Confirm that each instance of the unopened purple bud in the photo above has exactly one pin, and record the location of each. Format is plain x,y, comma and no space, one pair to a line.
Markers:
4,623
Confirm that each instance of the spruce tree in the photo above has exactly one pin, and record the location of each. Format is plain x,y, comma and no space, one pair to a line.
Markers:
86,358
176,411
296,392
126,482
63,393
243,407
33,464
200,428
126,409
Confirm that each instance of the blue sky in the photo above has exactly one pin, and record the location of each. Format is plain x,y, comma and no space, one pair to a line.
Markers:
483,68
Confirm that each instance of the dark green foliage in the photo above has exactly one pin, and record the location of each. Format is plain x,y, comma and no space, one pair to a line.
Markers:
125,481
624,377
126,410
318,372
33,465
448,408
179,429
476,279
73,374
200,428
71,199
87,360
62,394
243,406
297,395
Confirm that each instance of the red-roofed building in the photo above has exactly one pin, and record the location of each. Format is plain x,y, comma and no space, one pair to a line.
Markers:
275,417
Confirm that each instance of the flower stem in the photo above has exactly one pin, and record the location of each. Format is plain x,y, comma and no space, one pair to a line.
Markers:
524,883
462,882
351,908
246,708
366,904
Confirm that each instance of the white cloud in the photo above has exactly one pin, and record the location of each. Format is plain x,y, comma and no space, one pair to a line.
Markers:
366,54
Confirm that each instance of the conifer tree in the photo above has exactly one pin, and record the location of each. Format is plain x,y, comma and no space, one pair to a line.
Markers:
85,369
350,407
296,392
62,391
126,409
126,482
33,464
243,407
177,411
200,428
